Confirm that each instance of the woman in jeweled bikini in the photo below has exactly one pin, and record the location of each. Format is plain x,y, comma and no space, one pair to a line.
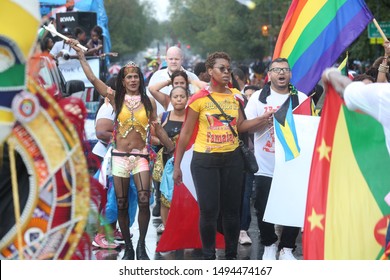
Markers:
135,112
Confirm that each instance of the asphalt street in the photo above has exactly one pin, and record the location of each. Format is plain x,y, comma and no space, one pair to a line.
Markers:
245,252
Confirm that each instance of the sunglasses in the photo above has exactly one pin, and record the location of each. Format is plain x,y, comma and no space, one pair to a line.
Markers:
223,69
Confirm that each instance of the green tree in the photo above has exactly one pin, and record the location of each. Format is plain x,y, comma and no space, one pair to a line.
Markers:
226,26
223,25
361,49
132,27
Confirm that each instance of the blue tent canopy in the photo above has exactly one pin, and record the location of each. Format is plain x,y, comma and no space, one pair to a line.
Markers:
97,6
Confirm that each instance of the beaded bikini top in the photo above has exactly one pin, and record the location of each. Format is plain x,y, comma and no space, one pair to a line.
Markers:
133,116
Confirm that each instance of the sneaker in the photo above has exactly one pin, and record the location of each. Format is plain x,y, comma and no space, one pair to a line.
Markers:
244,238
270,252
286,255
160,229
101,242
166,253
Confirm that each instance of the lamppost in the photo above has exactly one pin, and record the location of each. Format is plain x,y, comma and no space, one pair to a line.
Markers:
265,31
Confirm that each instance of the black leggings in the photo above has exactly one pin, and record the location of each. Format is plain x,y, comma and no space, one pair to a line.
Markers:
218,182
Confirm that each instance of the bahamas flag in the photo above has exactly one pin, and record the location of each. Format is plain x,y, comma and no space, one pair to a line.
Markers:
315,33
285,130
346,214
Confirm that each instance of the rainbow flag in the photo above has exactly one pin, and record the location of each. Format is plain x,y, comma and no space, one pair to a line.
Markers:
285,130
315,33
346,214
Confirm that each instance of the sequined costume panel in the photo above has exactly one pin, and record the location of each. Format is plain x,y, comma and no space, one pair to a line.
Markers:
133,116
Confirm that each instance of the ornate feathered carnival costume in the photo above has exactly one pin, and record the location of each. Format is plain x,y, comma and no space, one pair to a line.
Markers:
45,184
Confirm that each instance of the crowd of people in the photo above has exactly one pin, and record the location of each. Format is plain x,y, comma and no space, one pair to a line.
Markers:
138,127
144,126
225,107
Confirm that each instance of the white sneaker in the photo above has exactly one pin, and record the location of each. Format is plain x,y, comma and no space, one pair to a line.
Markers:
270,252
286,255
166,253
160,229
244,238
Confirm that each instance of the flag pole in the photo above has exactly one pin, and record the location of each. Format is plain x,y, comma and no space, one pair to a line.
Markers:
380,30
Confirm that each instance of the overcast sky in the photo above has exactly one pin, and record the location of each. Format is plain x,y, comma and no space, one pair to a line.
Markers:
160,7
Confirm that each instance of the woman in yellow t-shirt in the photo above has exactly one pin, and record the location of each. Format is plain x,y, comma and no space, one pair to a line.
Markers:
217,164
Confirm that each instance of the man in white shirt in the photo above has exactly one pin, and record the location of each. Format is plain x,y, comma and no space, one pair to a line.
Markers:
264,103
104,126
62,51
174,61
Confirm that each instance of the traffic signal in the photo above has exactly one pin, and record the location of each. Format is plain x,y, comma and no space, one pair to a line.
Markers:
264,30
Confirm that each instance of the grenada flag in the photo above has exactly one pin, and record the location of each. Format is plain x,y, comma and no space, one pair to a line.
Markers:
346,214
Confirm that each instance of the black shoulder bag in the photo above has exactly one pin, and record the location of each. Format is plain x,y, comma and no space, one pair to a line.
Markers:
250,163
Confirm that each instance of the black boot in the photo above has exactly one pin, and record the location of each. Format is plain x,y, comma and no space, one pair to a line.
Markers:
209,257
156,209
209,254
157,197
231,256
129,252
141,251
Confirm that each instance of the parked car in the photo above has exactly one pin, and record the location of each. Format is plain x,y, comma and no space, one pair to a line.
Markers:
46,73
